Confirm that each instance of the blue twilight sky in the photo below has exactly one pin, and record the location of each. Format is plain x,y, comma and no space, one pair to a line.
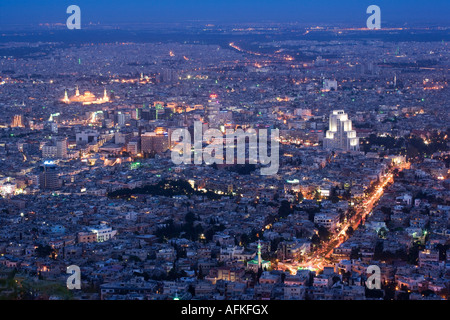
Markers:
395,12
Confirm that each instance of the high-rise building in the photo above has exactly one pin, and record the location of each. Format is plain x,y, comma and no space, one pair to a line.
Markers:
49,152
152,142
121,119
133,146
58,150
169,75
51,126
340,135
136,114
149,113
212,111
48,178
61,148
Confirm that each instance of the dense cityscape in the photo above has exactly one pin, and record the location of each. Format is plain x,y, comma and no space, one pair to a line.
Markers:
87,176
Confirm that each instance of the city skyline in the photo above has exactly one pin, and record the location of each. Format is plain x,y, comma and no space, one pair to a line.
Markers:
224,160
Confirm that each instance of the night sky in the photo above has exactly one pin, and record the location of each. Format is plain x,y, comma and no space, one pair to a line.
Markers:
395,12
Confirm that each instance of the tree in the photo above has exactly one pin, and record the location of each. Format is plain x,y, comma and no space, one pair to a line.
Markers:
413,254
244,239
341,215
324,234
134,258
44,251
382,232
285,209
350,231
189,217
258,275
315,239
378,250
355,253
200,275
374,293
311,215
191,290
274,243
442,251
346,276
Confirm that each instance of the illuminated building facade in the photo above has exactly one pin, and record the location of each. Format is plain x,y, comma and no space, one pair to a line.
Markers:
86,98
152,142
17,121
103,232
340,135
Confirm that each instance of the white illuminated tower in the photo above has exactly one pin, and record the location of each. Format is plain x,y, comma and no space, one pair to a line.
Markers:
66,97
212,111
340,135
105,96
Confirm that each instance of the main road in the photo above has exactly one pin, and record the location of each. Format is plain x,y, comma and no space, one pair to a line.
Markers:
320,257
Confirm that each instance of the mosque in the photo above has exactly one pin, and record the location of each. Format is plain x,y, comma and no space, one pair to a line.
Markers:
258,263
86,98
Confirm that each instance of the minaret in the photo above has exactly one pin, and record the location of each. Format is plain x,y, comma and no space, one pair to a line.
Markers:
77,92
259,254
66,97
105,96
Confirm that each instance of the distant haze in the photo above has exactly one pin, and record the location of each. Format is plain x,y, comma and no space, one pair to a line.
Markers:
26,12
